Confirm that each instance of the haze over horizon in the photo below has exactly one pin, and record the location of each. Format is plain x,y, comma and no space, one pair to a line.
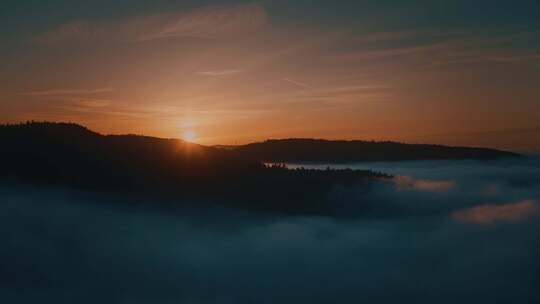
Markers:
226,72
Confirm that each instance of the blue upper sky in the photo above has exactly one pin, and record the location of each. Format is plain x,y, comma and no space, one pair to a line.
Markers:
379,14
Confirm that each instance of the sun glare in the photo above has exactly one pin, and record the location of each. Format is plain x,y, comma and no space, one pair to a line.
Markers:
189,135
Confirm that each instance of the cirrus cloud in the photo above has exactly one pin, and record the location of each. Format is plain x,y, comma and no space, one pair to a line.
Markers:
63,92
218,73
206,22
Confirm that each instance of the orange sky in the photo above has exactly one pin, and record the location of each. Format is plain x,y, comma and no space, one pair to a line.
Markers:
235,74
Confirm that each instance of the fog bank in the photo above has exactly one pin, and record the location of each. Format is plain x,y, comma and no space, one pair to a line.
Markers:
423,238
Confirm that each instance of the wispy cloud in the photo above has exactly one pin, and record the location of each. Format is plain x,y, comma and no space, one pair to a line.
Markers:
489,214
61,92
210,22
218,73
94,103
340,95
516,57
353,88
395,36
433,49
207,22
296,83
398,51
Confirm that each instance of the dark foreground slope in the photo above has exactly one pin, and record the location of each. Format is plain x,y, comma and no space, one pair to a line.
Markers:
316,150
69,155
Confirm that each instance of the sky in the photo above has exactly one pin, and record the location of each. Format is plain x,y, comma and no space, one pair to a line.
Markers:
231,72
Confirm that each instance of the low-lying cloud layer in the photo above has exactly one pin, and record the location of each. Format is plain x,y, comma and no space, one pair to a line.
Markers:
407,182
489,214
464,244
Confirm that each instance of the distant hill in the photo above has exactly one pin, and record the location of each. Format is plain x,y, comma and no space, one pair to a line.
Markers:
72,156
70,152
318,150
170,170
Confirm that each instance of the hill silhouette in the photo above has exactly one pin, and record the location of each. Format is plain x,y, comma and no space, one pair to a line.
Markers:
318,150
171,170
70,155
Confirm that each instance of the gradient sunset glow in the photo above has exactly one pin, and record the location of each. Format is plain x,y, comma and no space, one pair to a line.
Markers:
226,72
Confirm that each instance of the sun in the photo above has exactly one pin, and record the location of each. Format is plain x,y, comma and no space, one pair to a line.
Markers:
189,135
